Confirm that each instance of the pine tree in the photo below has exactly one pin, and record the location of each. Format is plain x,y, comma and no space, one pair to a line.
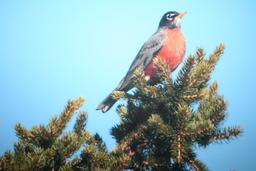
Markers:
165,120
50,148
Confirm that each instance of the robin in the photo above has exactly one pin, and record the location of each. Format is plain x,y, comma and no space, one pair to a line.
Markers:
167,43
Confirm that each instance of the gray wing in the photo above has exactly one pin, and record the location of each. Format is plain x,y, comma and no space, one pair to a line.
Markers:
143,58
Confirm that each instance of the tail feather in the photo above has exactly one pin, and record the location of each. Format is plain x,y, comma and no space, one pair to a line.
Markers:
107,103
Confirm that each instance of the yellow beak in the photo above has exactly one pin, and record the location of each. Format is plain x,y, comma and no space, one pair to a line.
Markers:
181,14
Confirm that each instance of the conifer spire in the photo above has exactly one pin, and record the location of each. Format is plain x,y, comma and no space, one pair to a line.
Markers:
164,122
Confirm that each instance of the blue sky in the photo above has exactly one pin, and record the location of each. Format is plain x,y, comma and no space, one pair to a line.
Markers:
52,51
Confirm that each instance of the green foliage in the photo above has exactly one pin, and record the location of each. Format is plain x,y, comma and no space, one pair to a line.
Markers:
161,124
49,148
164,121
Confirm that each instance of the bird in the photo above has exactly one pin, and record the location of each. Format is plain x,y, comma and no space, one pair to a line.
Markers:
167,43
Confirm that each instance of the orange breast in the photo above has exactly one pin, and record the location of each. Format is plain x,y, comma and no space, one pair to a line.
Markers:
172,51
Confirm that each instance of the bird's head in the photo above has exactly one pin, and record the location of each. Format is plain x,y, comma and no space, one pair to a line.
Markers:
171,19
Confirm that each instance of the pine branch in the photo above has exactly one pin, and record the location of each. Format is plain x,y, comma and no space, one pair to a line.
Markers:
134,135
47,148
225,134
22,133
80,122
216,55
180,149
158,127
200,54
56,126
198,165
140,79
182,79
162,71
202,71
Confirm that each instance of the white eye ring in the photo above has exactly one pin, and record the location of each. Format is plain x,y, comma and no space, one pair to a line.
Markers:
169,16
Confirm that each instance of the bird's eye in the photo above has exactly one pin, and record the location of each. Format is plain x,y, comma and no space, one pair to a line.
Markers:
169,16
